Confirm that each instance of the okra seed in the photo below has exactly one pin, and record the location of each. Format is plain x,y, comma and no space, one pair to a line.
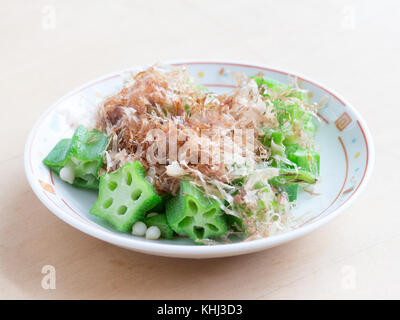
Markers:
139,229
67,174
153,233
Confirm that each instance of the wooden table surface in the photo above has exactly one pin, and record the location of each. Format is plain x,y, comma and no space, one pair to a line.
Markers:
50,47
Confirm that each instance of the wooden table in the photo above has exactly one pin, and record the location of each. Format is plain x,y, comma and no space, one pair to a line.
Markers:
50,47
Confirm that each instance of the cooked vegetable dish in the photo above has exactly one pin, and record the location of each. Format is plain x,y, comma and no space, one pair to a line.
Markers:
170,158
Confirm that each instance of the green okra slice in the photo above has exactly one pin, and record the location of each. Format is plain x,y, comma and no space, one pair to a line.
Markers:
289,176
305,159
291,190
194,214
59,155
234,223
160,208
270,83
83,154
87,182
87,151
125,196
159,220
277,86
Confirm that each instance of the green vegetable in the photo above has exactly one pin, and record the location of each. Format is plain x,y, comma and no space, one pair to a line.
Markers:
159,220
59,155
291,190
82,153
289,113
289,176
274,140
194,214
307,160
234,223
284,140
160,208
125,196
290,148
270,84
277,86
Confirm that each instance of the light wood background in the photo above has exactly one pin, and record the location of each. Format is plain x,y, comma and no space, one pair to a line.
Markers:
50,47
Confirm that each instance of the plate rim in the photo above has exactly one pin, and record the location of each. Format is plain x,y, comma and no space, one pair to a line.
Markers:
196,251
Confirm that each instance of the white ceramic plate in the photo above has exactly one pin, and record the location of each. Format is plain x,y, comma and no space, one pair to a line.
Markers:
347,158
